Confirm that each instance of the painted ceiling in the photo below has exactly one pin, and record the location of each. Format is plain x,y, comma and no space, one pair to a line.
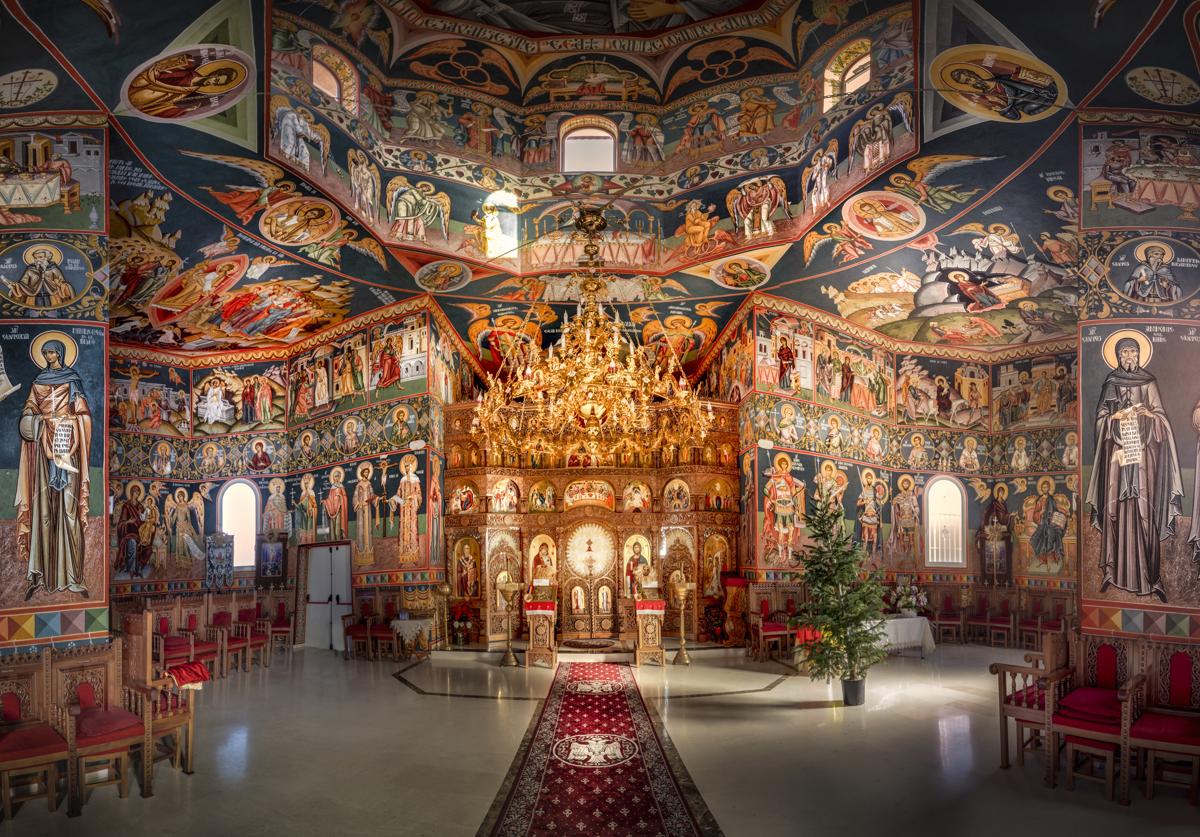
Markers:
276,168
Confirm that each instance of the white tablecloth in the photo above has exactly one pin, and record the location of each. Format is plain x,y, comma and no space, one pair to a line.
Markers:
409,628
909,632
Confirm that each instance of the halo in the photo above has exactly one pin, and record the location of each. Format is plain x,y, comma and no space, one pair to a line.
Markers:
785,459
906,479
1000,486
946,71
881,490
276,482
307,479
209,67
27,256
129,487
866,472
35,348
1043,481
368,467
1072,437
917,440
1145,347
1139,252
337,474
406,461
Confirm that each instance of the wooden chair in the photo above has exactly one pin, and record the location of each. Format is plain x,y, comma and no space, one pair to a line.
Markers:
949,621
172,711
1084,699
1094,753
356,629
1044,614
381,634
33,731
107,719
207,643
1022,697
170,645
257,628
234,638
280,628
1161,715
1002,624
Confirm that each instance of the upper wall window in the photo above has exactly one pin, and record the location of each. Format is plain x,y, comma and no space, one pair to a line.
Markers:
589,144
237,509
945,522
334,75
849,70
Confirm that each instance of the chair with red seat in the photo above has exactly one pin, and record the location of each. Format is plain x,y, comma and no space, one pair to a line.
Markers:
280,628
381,633
33,734
108,720
1044,614
949,621
234,638
978,620
1022,697
170,645
1161,715
1002,623
1083,698
258,632
207,642
356,628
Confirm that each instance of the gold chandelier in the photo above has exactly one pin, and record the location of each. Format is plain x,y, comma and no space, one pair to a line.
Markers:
595,390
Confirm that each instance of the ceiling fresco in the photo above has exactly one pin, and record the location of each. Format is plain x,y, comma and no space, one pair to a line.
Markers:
921,171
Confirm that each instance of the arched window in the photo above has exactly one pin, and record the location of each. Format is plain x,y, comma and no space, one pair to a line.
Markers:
589,144
237,515
849,70
334,76
945,522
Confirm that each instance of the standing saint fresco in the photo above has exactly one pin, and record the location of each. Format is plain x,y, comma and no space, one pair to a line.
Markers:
53,484
1136,490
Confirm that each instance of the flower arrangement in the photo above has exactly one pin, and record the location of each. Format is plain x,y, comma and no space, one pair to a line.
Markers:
909,598
460,622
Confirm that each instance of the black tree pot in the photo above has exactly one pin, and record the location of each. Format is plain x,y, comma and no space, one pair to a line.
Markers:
854,692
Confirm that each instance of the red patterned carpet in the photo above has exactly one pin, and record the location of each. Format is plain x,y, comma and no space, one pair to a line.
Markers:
596,765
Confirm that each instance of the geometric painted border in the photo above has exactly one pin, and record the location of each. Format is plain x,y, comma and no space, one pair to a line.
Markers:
406,578
1140,622
52,626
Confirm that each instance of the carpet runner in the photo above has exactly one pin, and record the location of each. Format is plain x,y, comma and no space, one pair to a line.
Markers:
597,765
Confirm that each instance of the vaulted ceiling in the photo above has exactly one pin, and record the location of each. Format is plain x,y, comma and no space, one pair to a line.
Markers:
276,168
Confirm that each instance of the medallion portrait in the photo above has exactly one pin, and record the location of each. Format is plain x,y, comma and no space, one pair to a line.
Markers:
883,216
998,83
44,274
1154,272
188,84
299,221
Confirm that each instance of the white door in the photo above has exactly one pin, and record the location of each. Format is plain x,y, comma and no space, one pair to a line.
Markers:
343,600
318,623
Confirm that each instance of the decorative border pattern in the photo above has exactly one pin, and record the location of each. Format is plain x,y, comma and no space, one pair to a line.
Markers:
1139,623
83,624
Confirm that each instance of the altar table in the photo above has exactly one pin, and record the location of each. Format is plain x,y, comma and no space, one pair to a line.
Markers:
908,632
412,630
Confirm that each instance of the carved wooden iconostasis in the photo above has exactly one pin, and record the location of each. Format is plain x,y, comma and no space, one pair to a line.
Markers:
587,527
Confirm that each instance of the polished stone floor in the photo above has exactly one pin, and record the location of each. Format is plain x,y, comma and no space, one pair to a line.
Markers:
325,747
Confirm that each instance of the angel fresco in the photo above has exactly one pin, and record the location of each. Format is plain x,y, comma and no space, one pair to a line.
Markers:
364,184
753,202
414,210
920,187
848,244
185,523
296,130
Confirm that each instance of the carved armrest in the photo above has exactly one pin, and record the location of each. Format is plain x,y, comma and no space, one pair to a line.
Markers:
1035,658
60,721
1013,668
1129,689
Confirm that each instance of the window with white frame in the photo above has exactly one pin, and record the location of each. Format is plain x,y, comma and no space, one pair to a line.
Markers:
849,70
945,523
237,515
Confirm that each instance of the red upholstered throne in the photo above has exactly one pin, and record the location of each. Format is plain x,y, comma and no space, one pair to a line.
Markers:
33,731
949,621
1022,696
258,633
356,629
107,719
1083,701
1161,716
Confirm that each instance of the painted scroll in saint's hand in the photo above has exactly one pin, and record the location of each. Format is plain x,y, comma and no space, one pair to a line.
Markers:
1131,440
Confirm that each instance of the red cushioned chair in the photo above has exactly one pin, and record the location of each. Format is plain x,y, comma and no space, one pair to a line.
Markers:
258,634
381,633
1022,697
207,643
1002,624
33,732
1044,615
1083,699
356,629
1161,713
108,720
949,621
280,628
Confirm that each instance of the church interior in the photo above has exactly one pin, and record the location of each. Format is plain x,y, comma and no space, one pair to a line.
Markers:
452,417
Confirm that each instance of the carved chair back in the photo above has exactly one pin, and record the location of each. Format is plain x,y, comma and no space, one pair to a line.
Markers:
1174,675
194,612
88,675
1103,662
165,613
24,679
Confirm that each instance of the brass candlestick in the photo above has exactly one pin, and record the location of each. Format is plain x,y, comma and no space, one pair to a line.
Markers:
509,590
679,591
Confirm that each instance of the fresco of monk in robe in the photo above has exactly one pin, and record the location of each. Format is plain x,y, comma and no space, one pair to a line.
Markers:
1134,504
53,484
